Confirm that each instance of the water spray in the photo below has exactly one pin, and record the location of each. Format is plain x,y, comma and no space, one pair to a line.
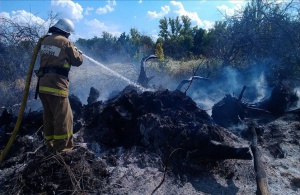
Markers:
114,73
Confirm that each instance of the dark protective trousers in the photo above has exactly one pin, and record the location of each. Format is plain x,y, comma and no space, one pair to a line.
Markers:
58,121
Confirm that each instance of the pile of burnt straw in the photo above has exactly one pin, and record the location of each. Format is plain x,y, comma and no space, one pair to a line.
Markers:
163,123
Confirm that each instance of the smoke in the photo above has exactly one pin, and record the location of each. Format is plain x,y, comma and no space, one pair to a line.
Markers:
108,79
113,78
205,103
261,88
230,81
296,105
206,93
298,95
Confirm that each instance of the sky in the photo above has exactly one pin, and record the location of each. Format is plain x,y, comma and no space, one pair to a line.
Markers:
92,17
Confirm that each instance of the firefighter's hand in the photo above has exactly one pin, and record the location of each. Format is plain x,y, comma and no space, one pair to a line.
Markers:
78,50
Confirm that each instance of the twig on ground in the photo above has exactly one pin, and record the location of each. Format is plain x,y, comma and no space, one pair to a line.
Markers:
165,170
75,183
38,130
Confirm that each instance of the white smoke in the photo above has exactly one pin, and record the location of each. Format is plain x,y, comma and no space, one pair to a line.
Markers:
261,87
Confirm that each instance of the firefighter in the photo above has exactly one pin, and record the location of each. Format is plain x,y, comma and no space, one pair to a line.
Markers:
57,55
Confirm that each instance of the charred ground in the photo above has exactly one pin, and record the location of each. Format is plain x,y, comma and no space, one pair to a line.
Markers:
152,143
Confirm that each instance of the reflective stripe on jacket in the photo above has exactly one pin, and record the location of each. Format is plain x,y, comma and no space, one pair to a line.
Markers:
54,91
51,137
57,51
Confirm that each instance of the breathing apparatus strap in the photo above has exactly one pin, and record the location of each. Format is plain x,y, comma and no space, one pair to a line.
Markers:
55,70
37,88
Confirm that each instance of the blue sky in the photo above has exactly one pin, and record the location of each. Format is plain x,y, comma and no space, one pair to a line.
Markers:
91,18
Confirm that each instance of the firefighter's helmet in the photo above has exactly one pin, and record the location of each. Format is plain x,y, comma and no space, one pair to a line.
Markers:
64,25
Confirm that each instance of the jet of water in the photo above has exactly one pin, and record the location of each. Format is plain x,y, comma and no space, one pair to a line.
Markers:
114,73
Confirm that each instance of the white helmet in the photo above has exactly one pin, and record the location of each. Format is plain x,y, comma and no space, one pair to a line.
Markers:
65,25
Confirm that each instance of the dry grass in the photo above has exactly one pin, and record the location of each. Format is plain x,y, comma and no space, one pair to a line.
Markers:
11,92
184,69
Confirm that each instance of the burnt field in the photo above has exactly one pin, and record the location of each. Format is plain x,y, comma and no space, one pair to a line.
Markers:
161,142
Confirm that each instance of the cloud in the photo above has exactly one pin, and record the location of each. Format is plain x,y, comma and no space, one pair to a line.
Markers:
4,15
112,2
231,10
180,11
27,19
237,2
23,17
95,28
154,35
109,7
244,2
104,10
164,11
95,23
226,10
208,24
67,8
87,10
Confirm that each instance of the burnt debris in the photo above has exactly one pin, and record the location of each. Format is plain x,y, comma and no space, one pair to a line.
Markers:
233,110
281,99
158,122
93,96
230,110
143,79
163,121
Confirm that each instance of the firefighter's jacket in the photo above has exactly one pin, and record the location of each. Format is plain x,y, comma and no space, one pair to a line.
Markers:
57,51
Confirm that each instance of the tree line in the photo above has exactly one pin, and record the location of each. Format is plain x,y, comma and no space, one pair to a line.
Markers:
264,32
177,40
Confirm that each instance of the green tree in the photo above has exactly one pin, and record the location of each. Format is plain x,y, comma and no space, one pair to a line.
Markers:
135,42
163,26
141,45
187,29
175,27
199,42
177,37
124,45
146,45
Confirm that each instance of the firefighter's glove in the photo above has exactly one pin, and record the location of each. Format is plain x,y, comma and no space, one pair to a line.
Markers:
78,50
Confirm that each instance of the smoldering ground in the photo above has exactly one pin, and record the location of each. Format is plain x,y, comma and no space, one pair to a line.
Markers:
100,168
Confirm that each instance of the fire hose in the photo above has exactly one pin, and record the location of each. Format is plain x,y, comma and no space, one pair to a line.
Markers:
24,100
